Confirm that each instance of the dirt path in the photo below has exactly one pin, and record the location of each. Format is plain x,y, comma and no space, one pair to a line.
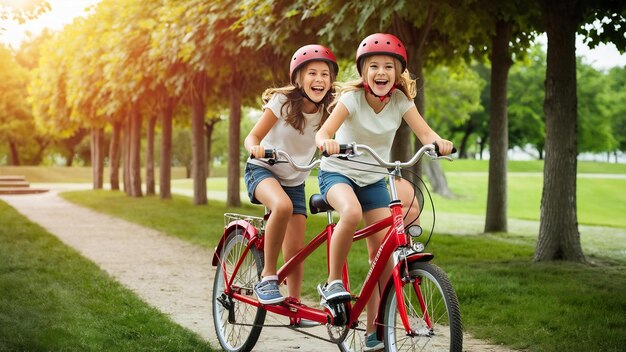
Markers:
169,274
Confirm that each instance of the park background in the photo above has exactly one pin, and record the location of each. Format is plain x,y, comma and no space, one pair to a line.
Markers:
62,88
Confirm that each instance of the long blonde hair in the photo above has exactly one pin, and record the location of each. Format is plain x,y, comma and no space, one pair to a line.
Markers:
292,108
403,81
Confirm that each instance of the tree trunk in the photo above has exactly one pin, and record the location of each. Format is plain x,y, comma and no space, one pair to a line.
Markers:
467,132
209,128
135,152
14,159
165,189
198,169
234,130
42,145
420,103
150,184
70,143
126,154
496,217
482,144
97,157
559,238
114,156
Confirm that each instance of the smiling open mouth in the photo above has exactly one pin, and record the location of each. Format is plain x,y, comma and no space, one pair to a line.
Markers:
381,82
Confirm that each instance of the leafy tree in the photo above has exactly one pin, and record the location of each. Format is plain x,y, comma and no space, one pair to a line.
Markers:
22,11
47,95
595,131
559,238
202,46
525,96
453,94
611,102
478,122
503,32
16,123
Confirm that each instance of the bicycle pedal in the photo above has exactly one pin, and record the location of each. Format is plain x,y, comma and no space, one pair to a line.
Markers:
338,313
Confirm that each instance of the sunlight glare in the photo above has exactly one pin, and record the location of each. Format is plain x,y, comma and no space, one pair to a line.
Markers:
21,4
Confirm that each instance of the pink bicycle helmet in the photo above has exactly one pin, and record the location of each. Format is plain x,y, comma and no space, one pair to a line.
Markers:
381,44
308,53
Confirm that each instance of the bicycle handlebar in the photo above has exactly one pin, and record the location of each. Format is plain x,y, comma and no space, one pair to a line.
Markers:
432,150
273,154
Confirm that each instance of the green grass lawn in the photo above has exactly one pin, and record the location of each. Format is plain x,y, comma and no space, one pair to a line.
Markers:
53,299
504,297
600,201
470,165
83,173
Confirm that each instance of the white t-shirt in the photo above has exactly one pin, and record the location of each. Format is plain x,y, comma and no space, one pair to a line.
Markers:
301,147
364,126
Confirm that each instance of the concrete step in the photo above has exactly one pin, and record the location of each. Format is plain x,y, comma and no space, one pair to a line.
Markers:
16,184
12,178
22,190
13,184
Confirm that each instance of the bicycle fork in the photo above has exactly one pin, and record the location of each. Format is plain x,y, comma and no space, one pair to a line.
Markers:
401,278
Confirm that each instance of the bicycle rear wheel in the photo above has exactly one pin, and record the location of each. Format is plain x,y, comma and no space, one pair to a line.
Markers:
238,325
436,321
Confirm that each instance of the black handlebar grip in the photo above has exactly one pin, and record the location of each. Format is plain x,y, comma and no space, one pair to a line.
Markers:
437,149
269,153
343,149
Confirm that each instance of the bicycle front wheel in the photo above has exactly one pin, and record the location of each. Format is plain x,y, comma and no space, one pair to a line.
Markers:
237,324
433,311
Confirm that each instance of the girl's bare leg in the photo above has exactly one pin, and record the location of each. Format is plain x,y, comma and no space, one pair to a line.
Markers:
293,242
271,194
373,243
342,198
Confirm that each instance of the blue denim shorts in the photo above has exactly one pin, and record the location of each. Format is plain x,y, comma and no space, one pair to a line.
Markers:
371,197
254,174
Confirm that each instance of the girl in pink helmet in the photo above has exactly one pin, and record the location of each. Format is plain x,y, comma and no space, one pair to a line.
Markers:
291,115
368,111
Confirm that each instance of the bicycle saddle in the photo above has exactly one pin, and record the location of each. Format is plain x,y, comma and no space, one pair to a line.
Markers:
317,204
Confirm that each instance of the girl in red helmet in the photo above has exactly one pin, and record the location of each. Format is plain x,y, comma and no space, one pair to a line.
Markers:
291,115
367,111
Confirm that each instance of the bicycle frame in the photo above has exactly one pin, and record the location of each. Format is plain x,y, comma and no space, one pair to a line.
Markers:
395,241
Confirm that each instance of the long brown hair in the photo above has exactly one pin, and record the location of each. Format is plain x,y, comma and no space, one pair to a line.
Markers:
292,108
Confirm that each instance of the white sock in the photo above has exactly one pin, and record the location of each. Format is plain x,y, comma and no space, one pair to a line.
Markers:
335,281
270,277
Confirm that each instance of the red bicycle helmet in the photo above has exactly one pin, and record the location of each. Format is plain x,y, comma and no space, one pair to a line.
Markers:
381,44
308,53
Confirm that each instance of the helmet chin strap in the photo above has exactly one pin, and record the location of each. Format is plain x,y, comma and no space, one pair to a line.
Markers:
317,105
381,97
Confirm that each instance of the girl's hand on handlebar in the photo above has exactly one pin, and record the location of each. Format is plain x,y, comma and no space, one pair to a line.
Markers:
257,152
329,146
445,146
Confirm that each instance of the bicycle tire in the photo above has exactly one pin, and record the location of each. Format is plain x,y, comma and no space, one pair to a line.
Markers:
441,304
241,332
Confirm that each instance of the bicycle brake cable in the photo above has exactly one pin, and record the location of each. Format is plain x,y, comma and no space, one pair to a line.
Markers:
432,228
